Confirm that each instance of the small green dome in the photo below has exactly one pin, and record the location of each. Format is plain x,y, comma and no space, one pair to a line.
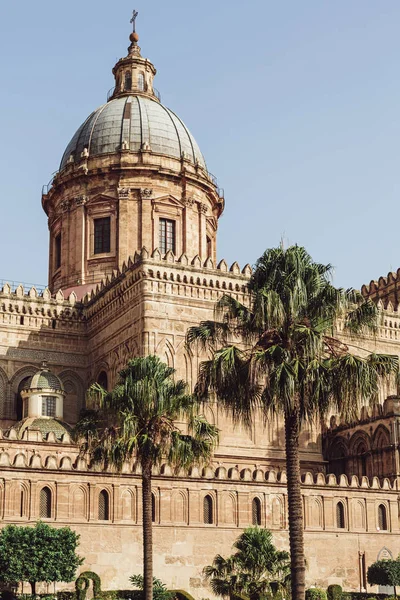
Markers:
44,425
44,380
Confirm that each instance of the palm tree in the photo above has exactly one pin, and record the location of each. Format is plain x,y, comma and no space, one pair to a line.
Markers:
138,419
255,569
279,354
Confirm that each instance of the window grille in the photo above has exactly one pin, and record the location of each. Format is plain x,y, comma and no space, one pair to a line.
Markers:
340,524
208,510
128,82
45,503
141,82
57,251
104,506
209,247
102,235
48,406
166,235
256,511
22,504
153,508
382,518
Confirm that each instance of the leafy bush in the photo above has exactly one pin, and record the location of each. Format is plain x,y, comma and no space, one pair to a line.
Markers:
316,594
182,595
160,591
334,592
363,596
66,595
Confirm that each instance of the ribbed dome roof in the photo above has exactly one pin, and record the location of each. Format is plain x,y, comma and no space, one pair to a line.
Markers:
44,380
44,425
135,122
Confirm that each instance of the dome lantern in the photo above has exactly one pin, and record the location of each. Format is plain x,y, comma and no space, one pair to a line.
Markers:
134,74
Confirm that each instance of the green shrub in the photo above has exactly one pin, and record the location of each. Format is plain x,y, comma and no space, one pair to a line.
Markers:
66,595
181,595
160,591
316,594
83,582
334,592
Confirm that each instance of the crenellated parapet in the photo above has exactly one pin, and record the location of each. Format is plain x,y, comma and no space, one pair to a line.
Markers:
386,289
37,310
35,451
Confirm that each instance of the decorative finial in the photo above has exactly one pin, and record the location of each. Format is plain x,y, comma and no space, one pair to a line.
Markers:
133,20
134,36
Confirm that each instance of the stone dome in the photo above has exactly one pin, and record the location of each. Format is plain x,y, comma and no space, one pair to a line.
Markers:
134,123
44,425
44,380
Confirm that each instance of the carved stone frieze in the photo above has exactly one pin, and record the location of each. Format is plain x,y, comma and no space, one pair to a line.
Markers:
123,192
65,205
80,200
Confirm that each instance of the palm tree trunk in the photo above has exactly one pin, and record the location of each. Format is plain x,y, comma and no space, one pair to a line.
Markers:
147,530
295,505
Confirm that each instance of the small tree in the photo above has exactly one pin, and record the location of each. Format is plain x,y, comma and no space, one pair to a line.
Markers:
256,569
160,591
139,420
385,572
36,554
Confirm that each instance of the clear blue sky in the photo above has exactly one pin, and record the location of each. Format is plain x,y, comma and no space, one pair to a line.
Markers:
295,106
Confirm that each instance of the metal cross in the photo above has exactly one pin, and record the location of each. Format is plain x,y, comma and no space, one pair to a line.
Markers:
133,20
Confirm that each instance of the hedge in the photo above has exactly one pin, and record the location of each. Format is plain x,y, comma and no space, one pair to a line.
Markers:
316,594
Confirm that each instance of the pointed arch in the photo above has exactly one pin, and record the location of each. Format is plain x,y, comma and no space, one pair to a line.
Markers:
381,438
128,509
340,515
359,520
315,512
179,508
45,503
79,502
277,512
256,511
208,510
3,394
14,405
382,517
103,506
74,399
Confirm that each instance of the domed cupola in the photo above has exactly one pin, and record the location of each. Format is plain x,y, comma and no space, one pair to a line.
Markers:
43,399
132,176
43,395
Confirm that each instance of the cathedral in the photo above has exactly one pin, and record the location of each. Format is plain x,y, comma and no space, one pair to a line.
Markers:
133,218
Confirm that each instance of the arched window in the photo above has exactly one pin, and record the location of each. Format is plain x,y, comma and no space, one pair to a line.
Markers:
209,247
104,506
340,524
382,517
102,379
208,510
128,81
22,504
153,508
45,503
140,82
256,511
19,401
